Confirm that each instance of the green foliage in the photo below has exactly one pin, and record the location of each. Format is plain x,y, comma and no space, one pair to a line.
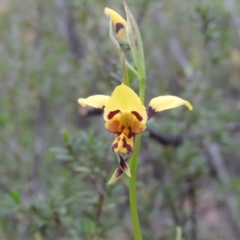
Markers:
56,161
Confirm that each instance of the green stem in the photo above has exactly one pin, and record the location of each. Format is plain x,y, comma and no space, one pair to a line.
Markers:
132,191
142,84
131,68
133,168
179,233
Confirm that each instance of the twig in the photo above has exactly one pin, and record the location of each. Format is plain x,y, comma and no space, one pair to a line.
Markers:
101,197
165,140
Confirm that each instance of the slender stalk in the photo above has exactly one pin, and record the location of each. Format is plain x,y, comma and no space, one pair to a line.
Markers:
133,167
132,190
136,46
142,84
179,233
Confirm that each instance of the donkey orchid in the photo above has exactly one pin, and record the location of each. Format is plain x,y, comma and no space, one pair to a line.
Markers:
118,22
126,116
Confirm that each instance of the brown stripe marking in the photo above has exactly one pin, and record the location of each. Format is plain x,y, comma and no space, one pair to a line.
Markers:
130,132
115,145
127,146
112,114
118,27
137,115
150,112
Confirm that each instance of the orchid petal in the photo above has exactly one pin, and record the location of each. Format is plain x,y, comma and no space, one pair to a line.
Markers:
96,101
138,127
124,166
123,144
162,103
117,173
113,124
124,99
118,22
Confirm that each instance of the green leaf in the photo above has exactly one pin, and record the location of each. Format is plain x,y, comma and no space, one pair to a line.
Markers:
135,42
65,137
15,196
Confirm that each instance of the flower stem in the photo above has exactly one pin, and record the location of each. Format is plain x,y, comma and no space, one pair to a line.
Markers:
132,191
142,84
133,168
136,46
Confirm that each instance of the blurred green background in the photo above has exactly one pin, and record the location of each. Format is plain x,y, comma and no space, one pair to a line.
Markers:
56,157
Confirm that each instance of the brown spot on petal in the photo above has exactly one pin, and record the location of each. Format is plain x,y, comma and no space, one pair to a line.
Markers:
123,163
137,115
119,172
150,112
127,146
118,27
115,145
112,114
130,132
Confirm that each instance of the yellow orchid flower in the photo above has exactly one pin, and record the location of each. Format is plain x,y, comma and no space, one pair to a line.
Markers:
126,116
118,22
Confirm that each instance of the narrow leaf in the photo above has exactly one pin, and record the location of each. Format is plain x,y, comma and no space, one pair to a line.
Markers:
135,42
